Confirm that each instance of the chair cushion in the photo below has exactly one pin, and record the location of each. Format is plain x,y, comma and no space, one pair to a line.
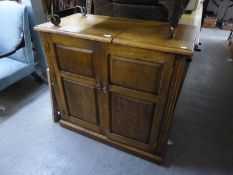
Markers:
143,2
11,71
13,17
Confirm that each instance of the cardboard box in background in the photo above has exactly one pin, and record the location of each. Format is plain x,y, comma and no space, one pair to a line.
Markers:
210,22
227,25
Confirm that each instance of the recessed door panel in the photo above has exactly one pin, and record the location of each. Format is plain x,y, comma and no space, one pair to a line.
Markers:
131,118
81,101
75,60
135,74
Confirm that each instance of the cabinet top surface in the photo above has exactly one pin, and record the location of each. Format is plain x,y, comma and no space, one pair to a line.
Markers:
136,33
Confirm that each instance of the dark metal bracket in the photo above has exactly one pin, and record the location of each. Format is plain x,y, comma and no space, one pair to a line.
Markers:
178,9
56,20
230,37
171,33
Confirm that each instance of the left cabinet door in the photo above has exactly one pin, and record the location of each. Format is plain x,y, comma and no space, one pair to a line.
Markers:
76,67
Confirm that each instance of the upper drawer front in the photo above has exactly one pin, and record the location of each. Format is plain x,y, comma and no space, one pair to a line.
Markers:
75,60
136,74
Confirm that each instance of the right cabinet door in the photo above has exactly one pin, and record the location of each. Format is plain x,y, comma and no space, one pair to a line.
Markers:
136,82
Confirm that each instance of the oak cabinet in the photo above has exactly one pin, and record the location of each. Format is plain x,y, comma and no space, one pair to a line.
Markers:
109,87
134,96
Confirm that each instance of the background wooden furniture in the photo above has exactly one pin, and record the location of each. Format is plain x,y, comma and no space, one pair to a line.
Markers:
118,80
63,7
136,9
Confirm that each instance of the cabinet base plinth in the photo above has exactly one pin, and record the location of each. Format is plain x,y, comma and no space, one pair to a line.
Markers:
101,138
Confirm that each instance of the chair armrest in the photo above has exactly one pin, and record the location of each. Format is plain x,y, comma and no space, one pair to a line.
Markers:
18,46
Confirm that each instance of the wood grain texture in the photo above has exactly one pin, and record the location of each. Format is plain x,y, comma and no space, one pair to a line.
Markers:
131,118
54,102
137,33
134,74
118,80
50,56
143,59
175,87
75,60
154,37
81,101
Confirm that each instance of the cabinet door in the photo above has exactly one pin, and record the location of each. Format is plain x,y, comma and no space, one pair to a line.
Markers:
137,81
76,64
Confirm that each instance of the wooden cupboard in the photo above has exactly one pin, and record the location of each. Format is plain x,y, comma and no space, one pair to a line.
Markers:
117,80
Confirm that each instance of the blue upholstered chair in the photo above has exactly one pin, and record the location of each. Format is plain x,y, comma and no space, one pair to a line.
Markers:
16,55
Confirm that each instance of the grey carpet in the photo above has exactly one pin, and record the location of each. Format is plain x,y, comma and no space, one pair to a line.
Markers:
202,131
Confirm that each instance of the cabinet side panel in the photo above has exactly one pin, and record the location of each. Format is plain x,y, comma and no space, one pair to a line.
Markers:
54,74
173,94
